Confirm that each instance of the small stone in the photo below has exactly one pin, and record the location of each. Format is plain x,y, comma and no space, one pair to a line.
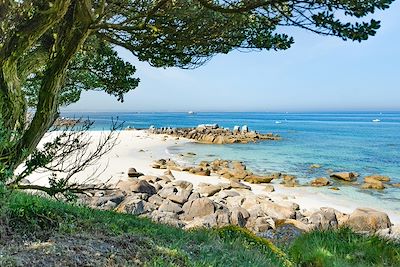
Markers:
334,188
133,173
315,166
269,188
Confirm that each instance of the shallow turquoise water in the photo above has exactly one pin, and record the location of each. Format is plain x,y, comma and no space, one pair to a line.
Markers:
337,141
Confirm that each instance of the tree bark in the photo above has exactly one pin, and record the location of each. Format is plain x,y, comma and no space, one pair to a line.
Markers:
73,33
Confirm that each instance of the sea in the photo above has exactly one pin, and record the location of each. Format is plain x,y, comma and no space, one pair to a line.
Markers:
363,142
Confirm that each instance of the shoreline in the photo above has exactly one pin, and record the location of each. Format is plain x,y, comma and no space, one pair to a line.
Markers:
138,149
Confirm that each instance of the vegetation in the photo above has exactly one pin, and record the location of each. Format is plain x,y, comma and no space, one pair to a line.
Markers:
52,50
36,230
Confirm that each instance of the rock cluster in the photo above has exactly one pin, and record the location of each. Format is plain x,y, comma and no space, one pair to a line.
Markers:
227,169
375,182
166,200
65,122
213,134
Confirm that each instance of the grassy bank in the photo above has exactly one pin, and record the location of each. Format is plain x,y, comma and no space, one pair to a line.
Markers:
41,232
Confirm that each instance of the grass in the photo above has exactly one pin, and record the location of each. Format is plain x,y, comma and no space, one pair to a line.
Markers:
39,232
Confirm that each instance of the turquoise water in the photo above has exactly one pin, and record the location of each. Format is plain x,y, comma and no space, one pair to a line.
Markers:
336,141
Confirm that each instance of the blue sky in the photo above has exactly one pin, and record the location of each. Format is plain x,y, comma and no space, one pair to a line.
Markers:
317,74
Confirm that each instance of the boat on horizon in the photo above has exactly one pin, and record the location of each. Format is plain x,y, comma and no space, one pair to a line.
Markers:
376,120
191,112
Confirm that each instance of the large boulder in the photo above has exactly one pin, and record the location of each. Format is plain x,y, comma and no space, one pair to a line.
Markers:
132,206
209,190
198,208
169,206
345,176
376,177
324,219
180,197
142,186
375,182
239,216
368,220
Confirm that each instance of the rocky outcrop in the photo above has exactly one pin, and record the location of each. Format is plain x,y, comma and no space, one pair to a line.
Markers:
213,134
226,168
368,220
345,176
175,202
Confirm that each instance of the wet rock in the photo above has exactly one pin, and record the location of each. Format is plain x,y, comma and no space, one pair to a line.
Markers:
315,166
368,220
375,185
257,179
376,177
289,180
345,176
322,181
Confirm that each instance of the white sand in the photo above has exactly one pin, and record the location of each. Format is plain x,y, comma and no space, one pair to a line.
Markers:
127,154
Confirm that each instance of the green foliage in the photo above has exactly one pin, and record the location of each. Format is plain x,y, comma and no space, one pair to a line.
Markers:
95,67
344,248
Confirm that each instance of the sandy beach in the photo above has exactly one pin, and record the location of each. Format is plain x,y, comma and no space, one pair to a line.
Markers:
138,149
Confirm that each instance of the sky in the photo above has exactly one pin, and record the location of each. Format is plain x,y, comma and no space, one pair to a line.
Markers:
318,73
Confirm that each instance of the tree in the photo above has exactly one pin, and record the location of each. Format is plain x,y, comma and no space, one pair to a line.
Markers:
51,50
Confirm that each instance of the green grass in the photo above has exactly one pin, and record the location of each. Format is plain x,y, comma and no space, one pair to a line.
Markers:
36,229
157,245
344,248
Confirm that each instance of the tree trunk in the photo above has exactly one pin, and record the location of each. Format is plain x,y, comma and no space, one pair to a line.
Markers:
74,30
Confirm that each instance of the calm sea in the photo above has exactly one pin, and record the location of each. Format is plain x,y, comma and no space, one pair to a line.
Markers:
336,141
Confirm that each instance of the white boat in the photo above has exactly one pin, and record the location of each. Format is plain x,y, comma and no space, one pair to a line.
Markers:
278,122
190,112
376,120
